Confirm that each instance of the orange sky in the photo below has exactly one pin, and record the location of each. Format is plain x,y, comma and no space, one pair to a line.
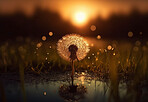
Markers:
67,8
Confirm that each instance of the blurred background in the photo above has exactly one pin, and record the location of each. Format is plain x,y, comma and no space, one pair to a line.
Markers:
112,19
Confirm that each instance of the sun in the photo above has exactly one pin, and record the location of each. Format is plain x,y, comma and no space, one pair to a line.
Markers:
79,18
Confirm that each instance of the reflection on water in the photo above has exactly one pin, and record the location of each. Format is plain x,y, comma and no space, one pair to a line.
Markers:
67,93
89,89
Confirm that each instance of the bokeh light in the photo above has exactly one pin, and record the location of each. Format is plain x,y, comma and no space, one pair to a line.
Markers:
92,27
43,38
109,47
136,48
130,34
147,43
99,37
50,33
91,44
45,93
39,44
140,33
137,43
144,48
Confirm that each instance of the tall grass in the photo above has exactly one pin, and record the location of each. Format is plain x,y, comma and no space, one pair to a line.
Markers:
125,62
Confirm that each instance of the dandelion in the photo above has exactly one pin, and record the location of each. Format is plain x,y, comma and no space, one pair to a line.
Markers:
72,41
72,47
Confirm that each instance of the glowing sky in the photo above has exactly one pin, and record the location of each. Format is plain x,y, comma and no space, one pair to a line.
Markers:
90,9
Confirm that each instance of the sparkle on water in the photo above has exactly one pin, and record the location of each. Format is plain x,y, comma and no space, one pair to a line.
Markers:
72,39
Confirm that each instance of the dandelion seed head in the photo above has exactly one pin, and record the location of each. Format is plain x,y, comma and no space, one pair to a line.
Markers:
72,39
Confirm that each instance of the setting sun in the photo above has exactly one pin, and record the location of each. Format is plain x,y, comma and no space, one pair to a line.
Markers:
79,18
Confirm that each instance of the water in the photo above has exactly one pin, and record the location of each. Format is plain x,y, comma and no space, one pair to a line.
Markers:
48,88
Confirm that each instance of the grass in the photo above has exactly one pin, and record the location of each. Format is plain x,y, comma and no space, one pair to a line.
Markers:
125,62
123,58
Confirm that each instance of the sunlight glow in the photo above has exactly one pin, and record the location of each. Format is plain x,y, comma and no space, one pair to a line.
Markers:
80,18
